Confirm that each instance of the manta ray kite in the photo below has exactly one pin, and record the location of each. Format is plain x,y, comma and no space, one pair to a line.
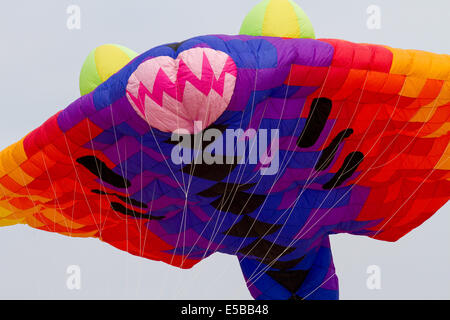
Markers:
348,138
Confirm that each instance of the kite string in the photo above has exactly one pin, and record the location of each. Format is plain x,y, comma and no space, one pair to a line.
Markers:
226,194
298,121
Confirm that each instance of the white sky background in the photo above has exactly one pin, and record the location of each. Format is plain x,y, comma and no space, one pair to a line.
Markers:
40,60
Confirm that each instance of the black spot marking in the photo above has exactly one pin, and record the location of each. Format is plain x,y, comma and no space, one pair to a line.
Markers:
264,249
350,165
329,152
249,227
100,169
127,200
317,119
282,265
124,210
291,280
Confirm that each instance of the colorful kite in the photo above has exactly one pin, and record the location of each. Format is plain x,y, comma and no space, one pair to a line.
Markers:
327,136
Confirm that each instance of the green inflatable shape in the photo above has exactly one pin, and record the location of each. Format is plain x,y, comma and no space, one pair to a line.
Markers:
101,63
278,18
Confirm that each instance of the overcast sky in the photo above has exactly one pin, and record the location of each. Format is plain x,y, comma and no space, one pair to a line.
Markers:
40,62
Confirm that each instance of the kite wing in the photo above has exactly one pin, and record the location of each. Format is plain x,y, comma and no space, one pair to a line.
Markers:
392,108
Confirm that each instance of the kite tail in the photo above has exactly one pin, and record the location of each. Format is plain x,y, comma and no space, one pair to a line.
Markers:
310,277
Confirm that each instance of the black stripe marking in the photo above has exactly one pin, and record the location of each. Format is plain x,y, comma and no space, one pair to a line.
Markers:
350,165
291,280
262,248
329,152
124,210
197,139
213,172
239,203
101,170
222,188
282,265
249,227
317,119
127,200
174,46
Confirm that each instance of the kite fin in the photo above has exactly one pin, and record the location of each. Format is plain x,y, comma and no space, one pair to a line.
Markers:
101,64
310,277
